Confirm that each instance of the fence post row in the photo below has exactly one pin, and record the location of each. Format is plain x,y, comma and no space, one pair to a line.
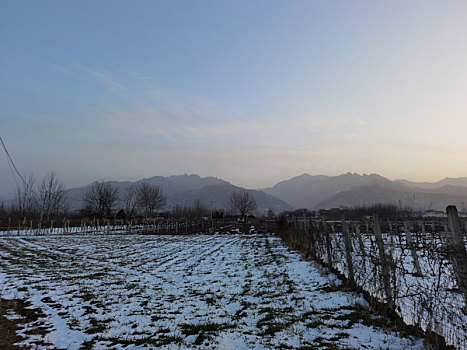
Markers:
348,250
328,242
411,245
456,249
360,241
384,262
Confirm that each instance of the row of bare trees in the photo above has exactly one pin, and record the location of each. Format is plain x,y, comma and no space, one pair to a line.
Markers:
44,200
48,199
144,199
102,197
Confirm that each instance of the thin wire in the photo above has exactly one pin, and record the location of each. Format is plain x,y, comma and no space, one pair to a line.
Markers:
11,163
12,173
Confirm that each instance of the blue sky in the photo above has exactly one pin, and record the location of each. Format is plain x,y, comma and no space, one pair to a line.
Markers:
250,91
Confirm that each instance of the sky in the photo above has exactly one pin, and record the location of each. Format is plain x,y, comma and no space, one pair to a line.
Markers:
253,92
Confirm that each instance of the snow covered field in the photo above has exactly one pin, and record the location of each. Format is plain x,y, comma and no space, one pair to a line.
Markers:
220,292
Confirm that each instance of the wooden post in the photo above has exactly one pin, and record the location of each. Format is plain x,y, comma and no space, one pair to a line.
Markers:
391,235
348,250
328,242
360,241
310,232
384,263
457,253
411,246
390,226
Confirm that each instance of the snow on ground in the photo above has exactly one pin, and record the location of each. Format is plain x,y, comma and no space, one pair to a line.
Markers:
220,292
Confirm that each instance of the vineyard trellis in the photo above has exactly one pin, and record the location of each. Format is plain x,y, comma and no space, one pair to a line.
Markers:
26,227
415,269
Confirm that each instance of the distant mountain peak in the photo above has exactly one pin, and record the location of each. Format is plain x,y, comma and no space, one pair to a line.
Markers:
303,176
186,189
185,175
306,191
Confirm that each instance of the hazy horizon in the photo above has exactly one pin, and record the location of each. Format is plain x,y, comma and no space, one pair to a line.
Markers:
8,194
250,92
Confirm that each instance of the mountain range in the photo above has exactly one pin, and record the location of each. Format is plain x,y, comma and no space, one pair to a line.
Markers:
186,189
351,189
305,191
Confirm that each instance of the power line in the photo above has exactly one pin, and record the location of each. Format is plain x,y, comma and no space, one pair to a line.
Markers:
12,172
11,163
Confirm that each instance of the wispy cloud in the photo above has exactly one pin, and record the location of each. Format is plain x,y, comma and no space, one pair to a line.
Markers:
180,133
103,77
147,109
189,119
185,122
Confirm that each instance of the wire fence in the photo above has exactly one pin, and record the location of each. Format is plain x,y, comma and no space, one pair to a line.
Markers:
416,269
26,227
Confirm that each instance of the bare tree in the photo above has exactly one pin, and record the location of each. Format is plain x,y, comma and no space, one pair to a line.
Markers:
130,201
149,198
26,201
51,197
243,201
100,198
